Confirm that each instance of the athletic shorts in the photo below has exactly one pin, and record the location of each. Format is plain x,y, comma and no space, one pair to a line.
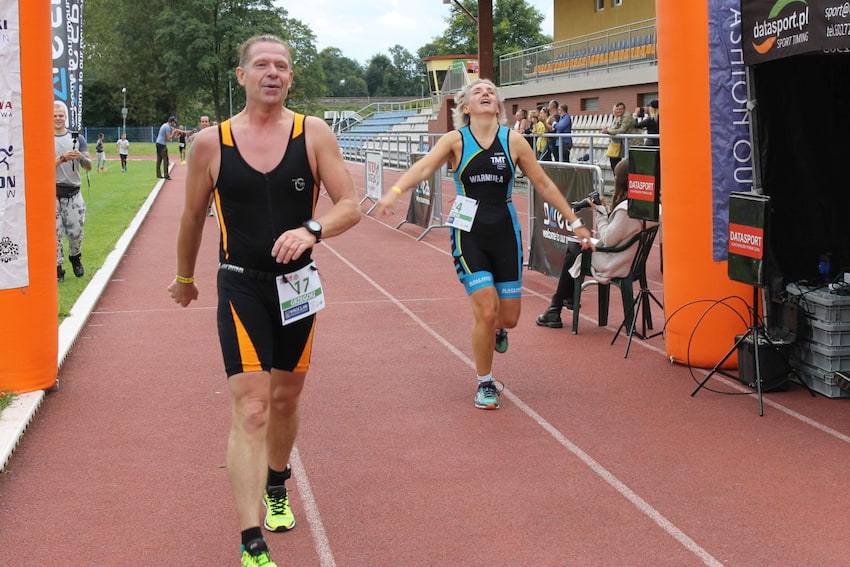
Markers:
250,331
490,255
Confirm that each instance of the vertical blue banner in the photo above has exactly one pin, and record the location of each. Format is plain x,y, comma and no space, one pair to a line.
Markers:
731,149
66,20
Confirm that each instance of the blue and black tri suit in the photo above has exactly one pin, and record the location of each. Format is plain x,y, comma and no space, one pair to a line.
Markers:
490,254
254,209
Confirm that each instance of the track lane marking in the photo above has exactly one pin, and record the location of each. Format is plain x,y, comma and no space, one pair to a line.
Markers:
641,504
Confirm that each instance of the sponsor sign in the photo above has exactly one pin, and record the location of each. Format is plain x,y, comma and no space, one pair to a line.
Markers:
14,264
644,184
66,20
748,230
773,29
550,235
641,187
746,240
731,148
374,175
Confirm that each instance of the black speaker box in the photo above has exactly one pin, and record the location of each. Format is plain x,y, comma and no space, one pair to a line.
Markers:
773,364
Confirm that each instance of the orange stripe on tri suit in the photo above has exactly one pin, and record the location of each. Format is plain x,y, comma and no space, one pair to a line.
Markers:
226,140
247,353
304,361
221,225
297,130
226,135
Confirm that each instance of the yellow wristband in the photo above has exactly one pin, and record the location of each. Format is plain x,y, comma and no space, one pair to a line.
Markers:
182,279
396,189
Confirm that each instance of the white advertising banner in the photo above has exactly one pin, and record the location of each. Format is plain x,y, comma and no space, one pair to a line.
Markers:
14,271
374,175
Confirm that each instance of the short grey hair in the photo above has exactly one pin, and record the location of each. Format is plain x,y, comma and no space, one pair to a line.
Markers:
460,118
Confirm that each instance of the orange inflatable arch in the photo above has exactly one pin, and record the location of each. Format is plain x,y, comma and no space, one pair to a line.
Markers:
693,281
29,336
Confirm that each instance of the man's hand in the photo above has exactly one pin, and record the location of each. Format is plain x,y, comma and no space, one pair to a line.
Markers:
183,293
292,244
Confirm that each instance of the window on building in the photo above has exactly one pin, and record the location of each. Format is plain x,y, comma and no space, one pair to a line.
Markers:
646,98
590,104
616,3
600,5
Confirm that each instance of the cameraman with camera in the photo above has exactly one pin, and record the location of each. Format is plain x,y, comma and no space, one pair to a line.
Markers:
613,228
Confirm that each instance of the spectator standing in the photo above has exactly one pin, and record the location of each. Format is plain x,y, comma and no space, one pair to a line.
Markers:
100,152
552,142
166,133
622,123
521,120
539,130
649,120
72,153
123,145
564,126
181,144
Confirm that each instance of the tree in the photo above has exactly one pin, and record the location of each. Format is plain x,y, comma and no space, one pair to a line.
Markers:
339,71
377,72
404,79
310,79
179,57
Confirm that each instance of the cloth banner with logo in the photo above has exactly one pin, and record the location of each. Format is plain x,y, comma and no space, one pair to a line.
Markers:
549,232
774,29
731,149
66,19
14,263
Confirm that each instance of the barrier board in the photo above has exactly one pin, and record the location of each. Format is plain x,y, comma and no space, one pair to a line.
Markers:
548,230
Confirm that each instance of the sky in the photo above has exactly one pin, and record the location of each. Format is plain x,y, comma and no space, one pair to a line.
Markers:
363,29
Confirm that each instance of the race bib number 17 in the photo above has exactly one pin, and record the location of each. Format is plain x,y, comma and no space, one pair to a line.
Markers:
300,294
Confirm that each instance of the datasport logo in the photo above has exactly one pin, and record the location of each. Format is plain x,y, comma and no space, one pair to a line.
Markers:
786,25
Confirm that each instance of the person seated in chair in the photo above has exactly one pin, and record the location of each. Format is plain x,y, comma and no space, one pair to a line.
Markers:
613,228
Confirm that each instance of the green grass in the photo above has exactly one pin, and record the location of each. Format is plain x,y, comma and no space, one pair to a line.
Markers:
6,398
112,200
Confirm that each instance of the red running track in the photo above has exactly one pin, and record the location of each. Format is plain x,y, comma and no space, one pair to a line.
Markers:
593,460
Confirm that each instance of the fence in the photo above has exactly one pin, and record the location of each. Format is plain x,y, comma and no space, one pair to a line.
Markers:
619,47
113,133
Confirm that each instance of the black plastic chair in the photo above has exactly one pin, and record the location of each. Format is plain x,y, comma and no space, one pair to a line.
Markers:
631,303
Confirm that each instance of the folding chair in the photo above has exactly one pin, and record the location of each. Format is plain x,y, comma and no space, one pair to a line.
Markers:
632,305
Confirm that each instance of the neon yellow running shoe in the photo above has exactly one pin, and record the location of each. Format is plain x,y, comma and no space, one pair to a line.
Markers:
279,516
256,554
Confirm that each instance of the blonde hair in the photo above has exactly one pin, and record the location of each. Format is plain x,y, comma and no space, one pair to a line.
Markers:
460,118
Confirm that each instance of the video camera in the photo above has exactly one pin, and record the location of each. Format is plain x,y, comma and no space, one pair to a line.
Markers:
579,205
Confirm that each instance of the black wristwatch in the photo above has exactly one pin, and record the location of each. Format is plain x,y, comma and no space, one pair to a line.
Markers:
315,228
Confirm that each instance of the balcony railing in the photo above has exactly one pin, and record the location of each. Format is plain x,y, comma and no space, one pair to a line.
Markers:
614,48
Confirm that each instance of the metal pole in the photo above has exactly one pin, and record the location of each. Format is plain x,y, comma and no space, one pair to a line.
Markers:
230,94
124,111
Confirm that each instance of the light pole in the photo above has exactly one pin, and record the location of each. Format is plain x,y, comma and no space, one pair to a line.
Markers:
230,90
124,111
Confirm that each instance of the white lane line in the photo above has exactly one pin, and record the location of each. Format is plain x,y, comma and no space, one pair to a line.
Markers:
597,468
741,388
311,510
